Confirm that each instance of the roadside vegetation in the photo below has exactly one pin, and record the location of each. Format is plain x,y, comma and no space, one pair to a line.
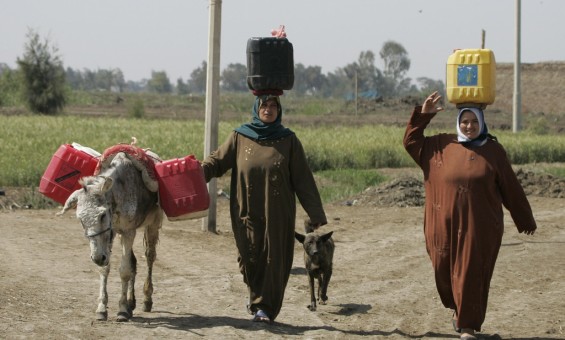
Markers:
345,158
347,138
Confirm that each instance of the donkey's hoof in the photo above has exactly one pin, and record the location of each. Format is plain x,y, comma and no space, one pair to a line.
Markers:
101,316
147,306
123,317
312,307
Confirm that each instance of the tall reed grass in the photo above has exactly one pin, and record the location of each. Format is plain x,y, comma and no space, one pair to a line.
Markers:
27,143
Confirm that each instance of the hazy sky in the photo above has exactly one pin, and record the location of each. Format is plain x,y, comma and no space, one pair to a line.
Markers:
139,36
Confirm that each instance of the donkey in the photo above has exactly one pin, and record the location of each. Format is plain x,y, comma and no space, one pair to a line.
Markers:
119,200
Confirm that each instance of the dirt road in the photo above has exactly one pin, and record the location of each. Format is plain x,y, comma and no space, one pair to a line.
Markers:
382,285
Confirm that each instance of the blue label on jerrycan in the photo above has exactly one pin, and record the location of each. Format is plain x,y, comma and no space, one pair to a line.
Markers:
467,75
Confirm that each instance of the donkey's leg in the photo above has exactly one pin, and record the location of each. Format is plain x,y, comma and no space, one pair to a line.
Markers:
131,284
102,310
127,274
151,238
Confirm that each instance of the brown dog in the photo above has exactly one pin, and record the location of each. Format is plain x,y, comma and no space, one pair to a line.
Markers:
318,259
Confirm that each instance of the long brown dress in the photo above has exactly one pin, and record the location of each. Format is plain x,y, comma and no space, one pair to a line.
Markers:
463,223
266,177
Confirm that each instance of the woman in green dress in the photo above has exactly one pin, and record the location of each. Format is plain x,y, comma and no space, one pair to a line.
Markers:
268,171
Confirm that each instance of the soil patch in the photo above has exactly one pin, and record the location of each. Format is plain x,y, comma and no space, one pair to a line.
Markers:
408,191
382,286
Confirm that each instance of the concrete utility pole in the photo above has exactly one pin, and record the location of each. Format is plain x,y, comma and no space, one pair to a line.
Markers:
212,98
356,93
517,98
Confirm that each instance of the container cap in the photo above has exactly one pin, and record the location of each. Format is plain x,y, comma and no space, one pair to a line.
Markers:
86,149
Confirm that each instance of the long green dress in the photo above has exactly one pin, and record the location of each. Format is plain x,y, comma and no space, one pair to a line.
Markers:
266,178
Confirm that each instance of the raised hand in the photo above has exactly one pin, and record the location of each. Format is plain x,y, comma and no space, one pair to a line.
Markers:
430,104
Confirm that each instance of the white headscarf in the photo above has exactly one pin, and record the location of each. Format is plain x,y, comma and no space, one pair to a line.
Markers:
481,139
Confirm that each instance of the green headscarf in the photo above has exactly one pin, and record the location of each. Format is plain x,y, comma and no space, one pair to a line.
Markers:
261,131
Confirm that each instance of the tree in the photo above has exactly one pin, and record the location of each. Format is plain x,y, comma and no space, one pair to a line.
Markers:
159,82
43,76
367,72
234,78
428,85
308,80
118,80
396,61
197,82
182,87
89,78
396,65
109,80
363,71
136,86
337,84
103,79
74,79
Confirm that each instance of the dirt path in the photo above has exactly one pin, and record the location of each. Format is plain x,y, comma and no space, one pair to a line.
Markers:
382,285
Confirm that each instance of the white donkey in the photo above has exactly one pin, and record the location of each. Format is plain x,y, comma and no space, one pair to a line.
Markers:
119,200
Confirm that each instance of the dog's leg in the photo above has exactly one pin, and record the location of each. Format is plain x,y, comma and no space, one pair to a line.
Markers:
325,282
320,285
312,306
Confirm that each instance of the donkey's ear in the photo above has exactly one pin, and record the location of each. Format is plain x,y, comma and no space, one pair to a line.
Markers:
71,202
108,182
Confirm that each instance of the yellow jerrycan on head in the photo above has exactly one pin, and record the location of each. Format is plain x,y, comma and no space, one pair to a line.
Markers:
470,77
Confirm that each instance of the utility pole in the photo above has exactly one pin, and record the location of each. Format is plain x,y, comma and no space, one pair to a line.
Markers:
212,99
517,98
356,92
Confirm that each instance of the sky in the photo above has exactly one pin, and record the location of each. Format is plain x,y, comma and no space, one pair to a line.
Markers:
141,36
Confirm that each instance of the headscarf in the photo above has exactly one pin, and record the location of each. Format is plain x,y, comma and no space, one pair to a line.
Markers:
264,131
481,139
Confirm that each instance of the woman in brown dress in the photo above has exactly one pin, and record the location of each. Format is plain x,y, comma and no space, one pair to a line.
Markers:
467,179
268,171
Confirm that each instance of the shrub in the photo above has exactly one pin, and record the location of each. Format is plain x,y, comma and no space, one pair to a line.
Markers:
43,76
9,88
137,109
539,126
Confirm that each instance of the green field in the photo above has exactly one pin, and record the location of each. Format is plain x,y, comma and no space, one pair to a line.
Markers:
347,156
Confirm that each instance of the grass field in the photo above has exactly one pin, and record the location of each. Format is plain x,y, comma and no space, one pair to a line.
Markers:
28,143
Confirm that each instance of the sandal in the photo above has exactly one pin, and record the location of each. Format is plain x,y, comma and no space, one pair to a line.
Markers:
468,334
261,316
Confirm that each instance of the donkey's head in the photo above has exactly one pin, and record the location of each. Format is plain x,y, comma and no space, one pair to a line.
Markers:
94,210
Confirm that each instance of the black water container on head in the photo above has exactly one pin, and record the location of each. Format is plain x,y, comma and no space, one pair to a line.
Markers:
270,64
